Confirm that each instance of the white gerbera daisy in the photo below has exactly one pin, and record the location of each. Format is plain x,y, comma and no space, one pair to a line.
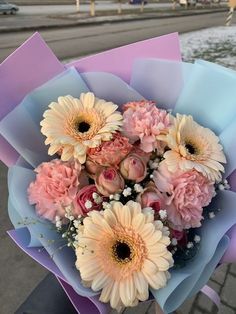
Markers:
73,125
194,147
122,251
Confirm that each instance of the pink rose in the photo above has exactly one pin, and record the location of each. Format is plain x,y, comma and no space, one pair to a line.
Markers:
186,193
151,197
144,122
86,201
55,187
133,168
109,181
110,153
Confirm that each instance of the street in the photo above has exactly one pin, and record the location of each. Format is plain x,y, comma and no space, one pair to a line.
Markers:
74,42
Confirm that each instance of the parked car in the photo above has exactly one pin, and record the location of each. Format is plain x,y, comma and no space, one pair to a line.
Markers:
137,2
188,3
6,7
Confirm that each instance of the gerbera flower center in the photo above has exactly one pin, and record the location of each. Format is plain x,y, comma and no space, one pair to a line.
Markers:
191,148
122,252
83,126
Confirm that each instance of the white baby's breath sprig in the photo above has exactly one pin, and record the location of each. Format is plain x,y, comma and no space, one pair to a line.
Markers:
88,204
116,197
138,188
174,241
190,245
106,205
127,192
224,185
211,215
163,214
197,238
97,198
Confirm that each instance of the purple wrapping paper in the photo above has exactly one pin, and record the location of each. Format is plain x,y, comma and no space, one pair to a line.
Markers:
26,60
16,86
84,305
20,73
119,61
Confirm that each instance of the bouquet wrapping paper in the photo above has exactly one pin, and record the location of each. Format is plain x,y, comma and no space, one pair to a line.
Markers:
32,77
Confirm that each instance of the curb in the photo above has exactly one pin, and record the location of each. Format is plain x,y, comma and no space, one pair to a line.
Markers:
110,19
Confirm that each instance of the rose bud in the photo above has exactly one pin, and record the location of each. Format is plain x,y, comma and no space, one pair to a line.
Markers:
180,236
133,168
151,197
87,199
92,168
109,181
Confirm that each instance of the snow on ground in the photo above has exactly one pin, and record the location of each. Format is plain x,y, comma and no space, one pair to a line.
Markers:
216,44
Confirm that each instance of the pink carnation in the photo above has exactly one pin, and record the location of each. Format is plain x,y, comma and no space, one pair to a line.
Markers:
186,195
110,153
55,187
144,122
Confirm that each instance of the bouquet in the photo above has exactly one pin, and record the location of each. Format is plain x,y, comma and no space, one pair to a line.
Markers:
121,175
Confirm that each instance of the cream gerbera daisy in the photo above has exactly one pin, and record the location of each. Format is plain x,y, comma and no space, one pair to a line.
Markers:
73,125
122,251
194,147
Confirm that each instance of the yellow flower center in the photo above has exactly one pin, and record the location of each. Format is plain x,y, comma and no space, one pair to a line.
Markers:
85,125
126,252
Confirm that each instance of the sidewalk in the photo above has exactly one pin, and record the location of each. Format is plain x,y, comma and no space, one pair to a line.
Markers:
39,22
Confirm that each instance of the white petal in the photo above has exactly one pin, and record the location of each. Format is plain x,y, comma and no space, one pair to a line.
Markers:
147,230
87,100
162,264
138,221
100,281
152,280
53,149
110,217
100,221
127,291
154,238
125,217
141,286
114,117
89,270
135,208
115,296
106,293
149,267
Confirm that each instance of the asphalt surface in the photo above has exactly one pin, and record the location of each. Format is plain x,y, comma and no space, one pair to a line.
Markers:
74,42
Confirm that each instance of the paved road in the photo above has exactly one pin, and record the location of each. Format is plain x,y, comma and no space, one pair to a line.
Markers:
78,41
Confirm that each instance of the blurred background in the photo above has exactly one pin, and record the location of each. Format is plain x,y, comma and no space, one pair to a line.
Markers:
78,28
